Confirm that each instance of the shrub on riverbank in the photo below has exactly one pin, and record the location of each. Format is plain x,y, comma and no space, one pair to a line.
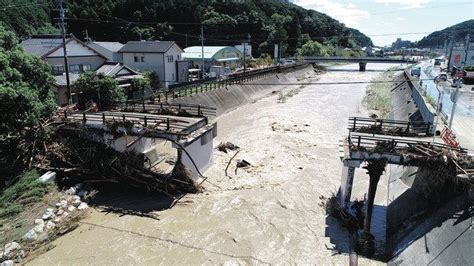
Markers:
379,96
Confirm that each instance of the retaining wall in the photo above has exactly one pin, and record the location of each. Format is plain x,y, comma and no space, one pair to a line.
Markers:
228,98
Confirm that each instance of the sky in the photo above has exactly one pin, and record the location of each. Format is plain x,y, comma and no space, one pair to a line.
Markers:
385,20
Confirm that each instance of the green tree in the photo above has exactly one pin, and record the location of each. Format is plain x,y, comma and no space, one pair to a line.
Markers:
141,84
25,86
99,88
313,48
25,100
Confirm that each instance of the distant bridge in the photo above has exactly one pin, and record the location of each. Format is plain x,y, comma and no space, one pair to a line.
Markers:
361,60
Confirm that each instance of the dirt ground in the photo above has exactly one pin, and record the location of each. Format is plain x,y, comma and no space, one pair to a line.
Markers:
267,213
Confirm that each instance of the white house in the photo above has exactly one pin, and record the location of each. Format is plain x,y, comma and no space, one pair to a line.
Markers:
81,58
108,49
162,57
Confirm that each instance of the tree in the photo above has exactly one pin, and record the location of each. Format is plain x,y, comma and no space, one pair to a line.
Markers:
99,88
313,48
141,84
25,100
25,83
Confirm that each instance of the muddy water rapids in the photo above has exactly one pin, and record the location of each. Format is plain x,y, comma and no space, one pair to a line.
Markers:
269,213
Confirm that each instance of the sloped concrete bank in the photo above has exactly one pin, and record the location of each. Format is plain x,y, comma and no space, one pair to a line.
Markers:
233,96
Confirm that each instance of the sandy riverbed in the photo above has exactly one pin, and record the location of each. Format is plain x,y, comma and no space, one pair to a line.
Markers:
269,213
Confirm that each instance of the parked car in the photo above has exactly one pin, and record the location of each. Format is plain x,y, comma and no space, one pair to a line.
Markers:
416,71
443,76
438,61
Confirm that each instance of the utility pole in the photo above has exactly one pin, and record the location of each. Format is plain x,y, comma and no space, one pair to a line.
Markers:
451,44
202,50
245,52
87,36
458,84
63,33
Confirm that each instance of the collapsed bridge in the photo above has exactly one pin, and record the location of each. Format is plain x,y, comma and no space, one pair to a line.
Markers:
379,142
141,133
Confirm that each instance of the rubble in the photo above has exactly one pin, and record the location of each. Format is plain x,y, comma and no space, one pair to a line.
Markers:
226,146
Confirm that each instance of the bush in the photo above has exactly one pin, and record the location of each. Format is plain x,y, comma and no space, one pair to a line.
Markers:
27,189
99,88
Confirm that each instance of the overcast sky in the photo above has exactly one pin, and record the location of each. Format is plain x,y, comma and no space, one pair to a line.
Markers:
385,20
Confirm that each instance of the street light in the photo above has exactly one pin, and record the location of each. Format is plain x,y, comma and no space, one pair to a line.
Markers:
438,105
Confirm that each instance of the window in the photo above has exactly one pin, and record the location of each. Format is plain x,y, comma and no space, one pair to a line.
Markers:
75,68
179,57
172,76
170,58
86,67
135,58
58,69
142,59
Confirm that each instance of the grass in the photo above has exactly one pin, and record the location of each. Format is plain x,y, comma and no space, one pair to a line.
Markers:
378,96
25,191
21,203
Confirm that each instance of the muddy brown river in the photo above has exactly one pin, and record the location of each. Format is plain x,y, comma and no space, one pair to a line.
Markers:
269,213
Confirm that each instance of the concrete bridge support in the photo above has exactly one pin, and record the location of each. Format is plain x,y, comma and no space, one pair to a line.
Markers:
362,66
348,171
366,241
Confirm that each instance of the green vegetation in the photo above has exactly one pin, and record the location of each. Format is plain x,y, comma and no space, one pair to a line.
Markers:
314,48
379,96
99,88
459,32
26,190
268,22
141,84
26,101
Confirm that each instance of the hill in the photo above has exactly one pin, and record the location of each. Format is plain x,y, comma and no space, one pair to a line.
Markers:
266,22
459,31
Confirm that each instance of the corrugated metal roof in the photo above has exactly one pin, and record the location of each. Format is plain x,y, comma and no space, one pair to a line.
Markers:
39,46
195,52
146,46
111,46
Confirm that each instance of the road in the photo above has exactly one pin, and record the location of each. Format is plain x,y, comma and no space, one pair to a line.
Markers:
463,122
269,213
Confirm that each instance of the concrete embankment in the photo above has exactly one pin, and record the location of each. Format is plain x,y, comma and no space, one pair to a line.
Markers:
233,96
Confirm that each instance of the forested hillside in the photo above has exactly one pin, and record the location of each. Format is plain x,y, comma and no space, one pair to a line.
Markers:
458,31
265,22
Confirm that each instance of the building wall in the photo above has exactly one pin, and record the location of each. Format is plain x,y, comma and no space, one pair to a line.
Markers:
156,62
458,55
95,61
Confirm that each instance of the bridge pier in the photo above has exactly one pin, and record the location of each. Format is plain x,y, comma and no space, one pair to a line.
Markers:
366,240
362,66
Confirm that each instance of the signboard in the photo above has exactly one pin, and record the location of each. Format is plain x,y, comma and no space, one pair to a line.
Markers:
448,136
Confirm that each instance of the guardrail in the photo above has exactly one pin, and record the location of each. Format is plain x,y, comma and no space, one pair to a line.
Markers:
179,109
389,127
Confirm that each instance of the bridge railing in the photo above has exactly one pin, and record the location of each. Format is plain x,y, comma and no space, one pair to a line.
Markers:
381,144
389,127
164,124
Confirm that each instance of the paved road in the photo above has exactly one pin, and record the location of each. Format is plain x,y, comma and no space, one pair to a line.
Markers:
463,122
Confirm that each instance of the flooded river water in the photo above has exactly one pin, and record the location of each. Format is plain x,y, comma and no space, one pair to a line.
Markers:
268,213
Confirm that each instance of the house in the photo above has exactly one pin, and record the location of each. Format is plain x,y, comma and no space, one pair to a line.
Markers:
226,56
108,49
81,58
161,57
124,75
